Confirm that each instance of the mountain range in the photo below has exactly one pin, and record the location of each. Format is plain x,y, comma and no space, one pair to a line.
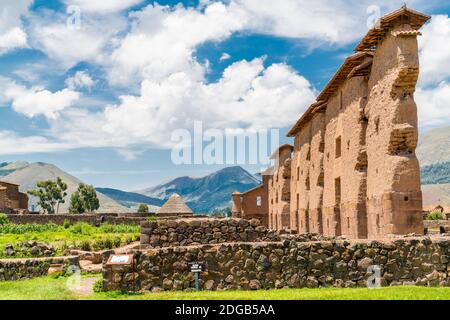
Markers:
28,175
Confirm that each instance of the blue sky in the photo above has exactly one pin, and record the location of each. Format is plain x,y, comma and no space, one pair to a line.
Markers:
99,87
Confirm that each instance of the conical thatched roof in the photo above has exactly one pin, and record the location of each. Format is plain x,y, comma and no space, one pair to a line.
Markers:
175,206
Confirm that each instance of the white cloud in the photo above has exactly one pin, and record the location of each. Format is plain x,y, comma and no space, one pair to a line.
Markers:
36,100
81,79
69,45
162,41
434,105
12,144
102,6
11,34
247,96
13,39
435,51
224,56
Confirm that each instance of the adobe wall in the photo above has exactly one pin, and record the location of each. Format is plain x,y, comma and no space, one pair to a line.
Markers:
24,269
280,192
393,189
183,232
11,198
301,181
345,175
243,266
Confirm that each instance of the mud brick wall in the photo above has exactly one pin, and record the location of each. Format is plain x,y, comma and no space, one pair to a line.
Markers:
23,269
236,266
182,232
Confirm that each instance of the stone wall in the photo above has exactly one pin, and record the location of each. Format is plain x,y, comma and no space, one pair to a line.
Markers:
23,269
182,232
60,218
290,264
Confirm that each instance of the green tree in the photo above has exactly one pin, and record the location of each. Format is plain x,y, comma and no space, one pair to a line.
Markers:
50,194
143,208
84,200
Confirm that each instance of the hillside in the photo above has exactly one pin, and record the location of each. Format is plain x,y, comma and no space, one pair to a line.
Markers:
438,173
7,168
131,199
30,175
434,146
207,193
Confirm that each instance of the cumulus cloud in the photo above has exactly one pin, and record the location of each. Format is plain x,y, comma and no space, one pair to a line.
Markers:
434,105
13,144
103,6
247,96
12,35
162,40
434,48
36,100
81,79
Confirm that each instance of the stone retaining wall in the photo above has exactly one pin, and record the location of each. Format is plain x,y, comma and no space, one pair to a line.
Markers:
182,232
292,264
60,218
22,269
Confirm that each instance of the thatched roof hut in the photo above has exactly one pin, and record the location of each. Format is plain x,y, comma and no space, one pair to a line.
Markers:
175,206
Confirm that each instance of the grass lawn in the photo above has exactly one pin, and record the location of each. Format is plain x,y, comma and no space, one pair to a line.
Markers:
51,289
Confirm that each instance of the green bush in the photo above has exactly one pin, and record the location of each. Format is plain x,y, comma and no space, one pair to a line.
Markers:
3,219
98,286
28,228
82,228
152,218
117,242
108,243
86,245
66,224
435,215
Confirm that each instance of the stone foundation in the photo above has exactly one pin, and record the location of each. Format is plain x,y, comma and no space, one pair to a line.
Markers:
244,266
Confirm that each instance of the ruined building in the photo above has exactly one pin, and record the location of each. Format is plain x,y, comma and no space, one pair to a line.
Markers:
11,200
354,171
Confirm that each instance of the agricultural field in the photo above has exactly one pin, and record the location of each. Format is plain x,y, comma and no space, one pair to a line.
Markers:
16,240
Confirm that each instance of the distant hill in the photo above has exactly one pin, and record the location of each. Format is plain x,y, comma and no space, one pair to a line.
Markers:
435,194
131,199
7,168
28,176
434,146
207,193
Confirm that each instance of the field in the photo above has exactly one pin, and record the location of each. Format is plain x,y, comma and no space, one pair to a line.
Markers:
56,289
78,236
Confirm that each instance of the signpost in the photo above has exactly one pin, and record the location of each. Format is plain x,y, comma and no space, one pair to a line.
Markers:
196,268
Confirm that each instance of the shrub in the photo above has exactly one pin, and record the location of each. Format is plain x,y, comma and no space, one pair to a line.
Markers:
66,224
108,244
28,228
435,215
3,219
82,228
117,242
86,245
143,208
98,286
152,218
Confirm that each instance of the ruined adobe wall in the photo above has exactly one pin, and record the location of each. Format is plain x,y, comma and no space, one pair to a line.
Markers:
250,208
301,183
183,232
280,193
393,190
316,173
345,180
24,269
243,266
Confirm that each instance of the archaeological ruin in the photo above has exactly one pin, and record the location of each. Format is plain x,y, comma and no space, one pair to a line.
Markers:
353,171
11,199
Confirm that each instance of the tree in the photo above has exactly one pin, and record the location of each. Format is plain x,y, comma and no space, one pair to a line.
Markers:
50,194
143,208
84,200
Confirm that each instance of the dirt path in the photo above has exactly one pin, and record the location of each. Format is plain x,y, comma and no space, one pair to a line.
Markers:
86,287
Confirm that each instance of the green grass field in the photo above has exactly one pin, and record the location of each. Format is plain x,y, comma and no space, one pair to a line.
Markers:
56,289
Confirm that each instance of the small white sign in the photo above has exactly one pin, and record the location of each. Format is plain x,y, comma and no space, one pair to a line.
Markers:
120,259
